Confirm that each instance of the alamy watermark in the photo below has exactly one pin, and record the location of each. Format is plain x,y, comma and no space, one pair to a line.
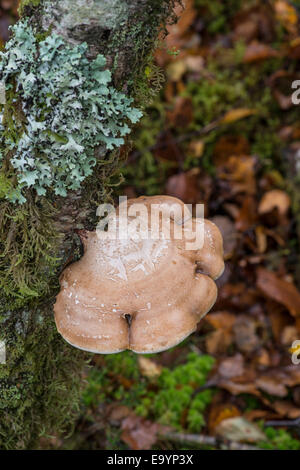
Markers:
2,352
138,221
295,350
296,94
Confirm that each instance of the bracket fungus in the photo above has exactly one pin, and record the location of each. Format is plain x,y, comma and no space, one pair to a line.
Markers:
141,292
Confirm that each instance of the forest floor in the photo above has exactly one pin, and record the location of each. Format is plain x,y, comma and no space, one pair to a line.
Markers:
223,131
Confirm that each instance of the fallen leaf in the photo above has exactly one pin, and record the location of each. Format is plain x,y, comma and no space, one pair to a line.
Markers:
286,409
219,340
220,412
280,83
229,145
176,70
296,396
287,15
237,114
148,367
239,429
229,234
240,172
261,239
166,148
276,381
286,293
257,51
117,413
196,147
245,334
274,199
256,22
278,319
246,217
194,63
232,367
289,334
184,186
139,433
181,114
271,386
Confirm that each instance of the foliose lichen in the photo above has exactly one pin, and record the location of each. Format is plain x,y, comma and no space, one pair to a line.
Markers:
68,106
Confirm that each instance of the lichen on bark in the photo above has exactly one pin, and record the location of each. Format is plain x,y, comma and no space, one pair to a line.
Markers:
41,380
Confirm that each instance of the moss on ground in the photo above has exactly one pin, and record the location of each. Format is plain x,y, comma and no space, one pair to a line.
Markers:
165,399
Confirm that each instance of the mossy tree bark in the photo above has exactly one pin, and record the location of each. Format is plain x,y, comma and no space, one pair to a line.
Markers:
41,380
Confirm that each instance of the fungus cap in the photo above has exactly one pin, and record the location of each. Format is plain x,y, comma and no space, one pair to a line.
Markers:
138,293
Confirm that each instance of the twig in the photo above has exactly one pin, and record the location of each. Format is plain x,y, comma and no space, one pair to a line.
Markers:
200,440
294,423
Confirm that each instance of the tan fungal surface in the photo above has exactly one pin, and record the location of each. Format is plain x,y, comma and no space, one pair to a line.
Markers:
145,295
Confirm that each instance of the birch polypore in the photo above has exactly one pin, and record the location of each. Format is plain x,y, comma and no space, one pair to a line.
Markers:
141,292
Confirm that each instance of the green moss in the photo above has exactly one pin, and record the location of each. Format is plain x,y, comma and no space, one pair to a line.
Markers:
41,382
27,3
28,247
279,439
147,173
175,394
164,399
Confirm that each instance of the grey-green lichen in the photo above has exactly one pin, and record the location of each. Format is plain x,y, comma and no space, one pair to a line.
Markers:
69,109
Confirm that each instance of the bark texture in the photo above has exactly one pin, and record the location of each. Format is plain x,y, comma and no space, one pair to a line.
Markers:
41,380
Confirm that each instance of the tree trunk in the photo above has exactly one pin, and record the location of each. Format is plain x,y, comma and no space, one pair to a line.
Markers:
41,380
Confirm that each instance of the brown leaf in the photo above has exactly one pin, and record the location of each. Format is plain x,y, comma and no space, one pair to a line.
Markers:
271,385
274,199
219,340
289,334
254,22
229,234
228,146
220,412
232,367
287,15
148,367
278,319
194,63
280,83
185,186
237,114
257,51
196,147
117,413
245,333
176,70
261,239
181,115
246,217
276,380
138,433
286,409
286,293
252,415
167,149
240,172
